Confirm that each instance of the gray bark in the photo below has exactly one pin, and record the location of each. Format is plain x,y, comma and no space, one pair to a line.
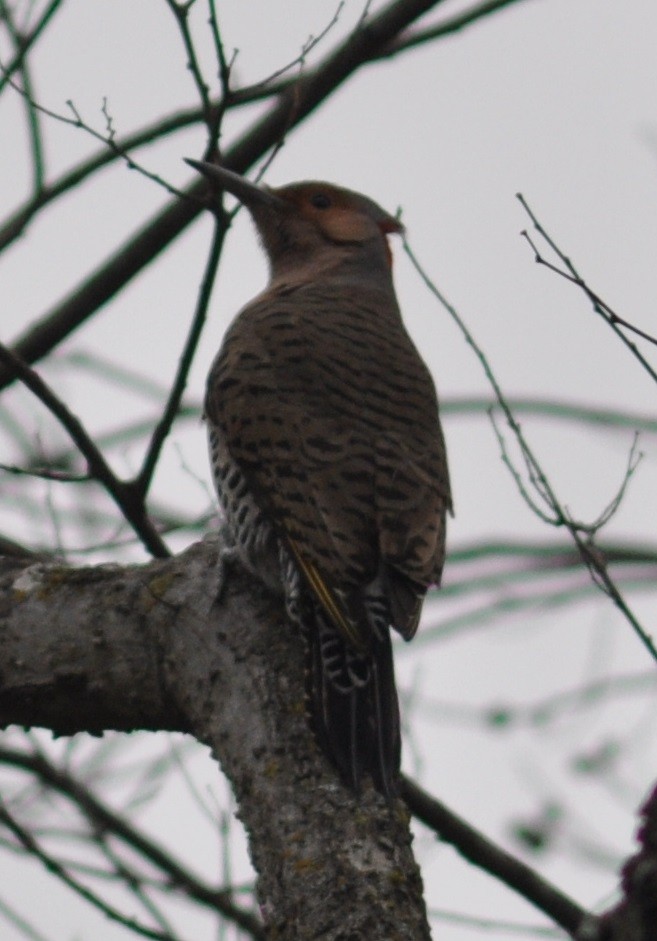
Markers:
153,647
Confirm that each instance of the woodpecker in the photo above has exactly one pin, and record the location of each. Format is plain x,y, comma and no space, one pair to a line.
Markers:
328,456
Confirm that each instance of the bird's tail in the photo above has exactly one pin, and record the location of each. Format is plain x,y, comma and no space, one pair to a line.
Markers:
354,705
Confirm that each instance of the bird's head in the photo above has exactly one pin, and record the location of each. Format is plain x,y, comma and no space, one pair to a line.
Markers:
311,224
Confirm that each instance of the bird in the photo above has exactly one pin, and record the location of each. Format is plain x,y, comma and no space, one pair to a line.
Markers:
328,456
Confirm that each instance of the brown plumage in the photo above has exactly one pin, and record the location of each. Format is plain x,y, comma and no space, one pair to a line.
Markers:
328,455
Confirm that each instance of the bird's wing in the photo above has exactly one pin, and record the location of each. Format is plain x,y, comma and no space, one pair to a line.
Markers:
349,468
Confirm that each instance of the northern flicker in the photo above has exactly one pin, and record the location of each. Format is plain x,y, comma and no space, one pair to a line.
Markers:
328,456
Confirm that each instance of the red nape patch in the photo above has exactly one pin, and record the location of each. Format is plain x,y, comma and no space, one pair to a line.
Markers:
388,249
387,227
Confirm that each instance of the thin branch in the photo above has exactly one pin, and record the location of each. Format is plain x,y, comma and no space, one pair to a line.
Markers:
122,494
27,42
108,138
215,116
258,88
181,15
633,459
582,534
586,696
31,111
43,473
117,373
505,714
133,880
519,569
20,923
225,64
101,816
461,406
503,608
571,274
143,480
304,96
535,481
555,409
53,866
480,851
494,925
15,224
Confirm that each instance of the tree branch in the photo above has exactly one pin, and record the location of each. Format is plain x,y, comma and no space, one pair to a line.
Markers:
547,505
107,820
493,859
32,845
145,647
143,480
126,497
292,107
28,42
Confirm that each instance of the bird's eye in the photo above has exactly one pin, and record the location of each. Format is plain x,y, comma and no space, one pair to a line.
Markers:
320,201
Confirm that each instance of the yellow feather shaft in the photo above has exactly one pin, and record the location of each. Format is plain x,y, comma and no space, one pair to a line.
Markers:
327,599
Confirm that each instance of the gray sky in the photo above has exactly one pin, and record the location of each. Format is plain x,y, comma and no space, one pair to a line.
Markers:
552,98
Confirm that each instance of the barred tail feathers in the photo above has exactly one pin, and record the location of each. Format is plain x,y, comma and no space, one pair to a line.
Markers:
354,705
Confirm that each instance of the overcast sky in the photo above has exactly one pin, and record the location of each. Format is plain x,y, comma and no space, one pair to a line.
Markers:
552,98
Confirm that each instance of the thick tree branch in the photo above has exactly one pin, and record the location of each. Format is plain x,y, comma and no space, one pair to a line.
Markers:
145,647
445,27
148,647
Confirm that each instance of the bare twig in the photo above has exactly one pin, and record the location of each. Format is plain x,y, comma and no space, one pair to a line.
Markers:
554,409
43,473
600,307
215,116
107,138
581,533
505,714
20,923
128,876
496,925
15,225
225,64
258,88
180,12
28,841
633,459
104,818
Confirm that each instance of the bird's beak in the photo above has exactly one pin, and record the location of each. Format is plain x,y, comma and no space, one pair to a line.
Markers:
247,192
